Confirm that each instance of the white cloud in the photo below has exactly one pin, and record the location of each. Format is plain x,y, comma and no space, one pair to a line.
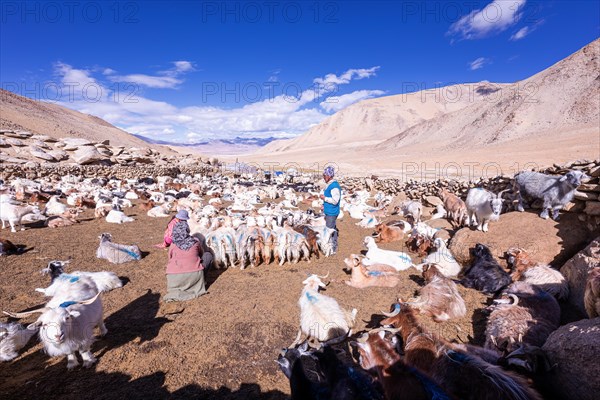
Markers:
336,103
479,63
280,116
347,76
494,18
168,79
108,71
525,31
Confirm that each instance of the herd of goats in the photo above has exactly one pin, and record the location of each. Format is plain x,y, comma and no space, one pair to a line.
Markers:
281,221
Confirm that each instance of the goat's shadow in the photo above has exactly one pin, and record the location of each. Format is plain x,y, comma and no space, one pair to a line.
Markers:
137,320
479,323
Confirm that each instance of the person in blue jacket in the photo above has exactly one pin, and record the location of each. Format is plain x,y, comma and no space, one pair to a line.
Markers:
331,203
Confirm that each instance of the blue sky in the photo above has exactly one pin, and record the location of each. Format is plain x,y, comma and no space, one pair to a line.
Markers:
192,70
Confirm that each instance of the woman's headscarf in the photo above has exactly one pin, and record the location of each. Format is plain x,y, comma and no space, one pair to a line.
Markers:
181,236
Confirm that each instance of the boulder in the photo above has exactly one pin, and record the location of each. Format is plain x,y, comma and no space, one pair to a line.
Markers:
433,200
18,135
76,142
592,208
585,196
87,155
60,155
40,153
574,350
11,160
41,144
3,143
15,142
32,164
576,271
548,241
45,138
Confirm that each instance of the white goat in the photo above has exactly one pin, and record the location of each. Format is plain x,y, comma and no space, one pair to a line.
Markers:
116,253
398,260
116,216
68,319
13,214
160,211
105,280
483,206
54,207
13,337
446,263
321,317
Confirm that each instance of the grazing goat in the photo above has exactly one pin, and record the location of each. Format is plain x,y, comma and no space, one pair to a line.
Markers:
555,191
525,314
399,380
105,281
456,208
117,253
523,268
67,321
591,299
321,317
439,297
462,375
485,274
483,206
399,260
14,213
363,276
443,258
13,337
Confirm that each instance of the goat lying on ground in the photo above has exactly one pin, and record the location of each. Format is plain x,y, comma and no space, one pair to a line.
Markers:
485,274
439,297
117,253
13,337
105,281
363,276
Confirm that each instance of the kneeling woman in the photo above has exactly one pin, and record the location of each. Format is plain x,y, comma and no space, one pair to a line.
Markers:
185,270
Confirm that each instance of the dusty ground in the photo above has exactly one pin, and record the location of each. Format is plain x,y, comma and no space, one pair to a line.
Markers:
223,345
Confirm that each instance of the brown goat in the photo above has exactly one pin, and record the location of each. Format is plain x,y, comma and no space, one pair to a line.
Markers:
362,277
68,218
463,375
311,238
85,203
146,206
455,207
388,233
518,261
591,298
439,298
419,244
399,381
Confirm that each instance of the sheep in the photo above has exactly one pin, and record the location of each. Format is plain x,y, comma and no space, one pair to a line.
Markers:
399,380
439,297
524,315
400,261
362,276
456,208
555,191
543,276
105,281
443,258
13,214
67,321
67,219
116,216
13,337
485,274
116,253
321,317
483,206
462,375
591,298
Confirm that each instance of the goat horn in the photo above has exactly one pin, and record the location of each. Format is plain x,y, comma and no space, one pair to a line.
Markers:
324,277
385,329
502,192
26,313
515,299
394,313
363,338
89,301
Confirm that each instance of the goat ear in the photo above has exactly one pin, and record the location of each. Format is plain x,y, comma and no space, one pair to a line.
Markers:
563,178
34,325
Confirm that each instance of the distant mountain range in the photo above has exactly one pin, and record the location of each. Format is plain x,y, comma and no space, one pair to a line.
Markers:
253,141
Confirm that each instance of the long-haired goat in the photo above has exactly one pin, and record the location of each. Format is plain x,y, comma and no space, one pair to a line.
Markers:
463,376
443,258
483,206
105,280
525,314
13,337
399,260
439,297
523,268
321,317
485,274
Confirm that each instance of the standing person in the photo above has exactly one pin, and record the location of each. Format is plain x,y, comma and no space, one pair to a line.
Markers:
185,269
331,203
